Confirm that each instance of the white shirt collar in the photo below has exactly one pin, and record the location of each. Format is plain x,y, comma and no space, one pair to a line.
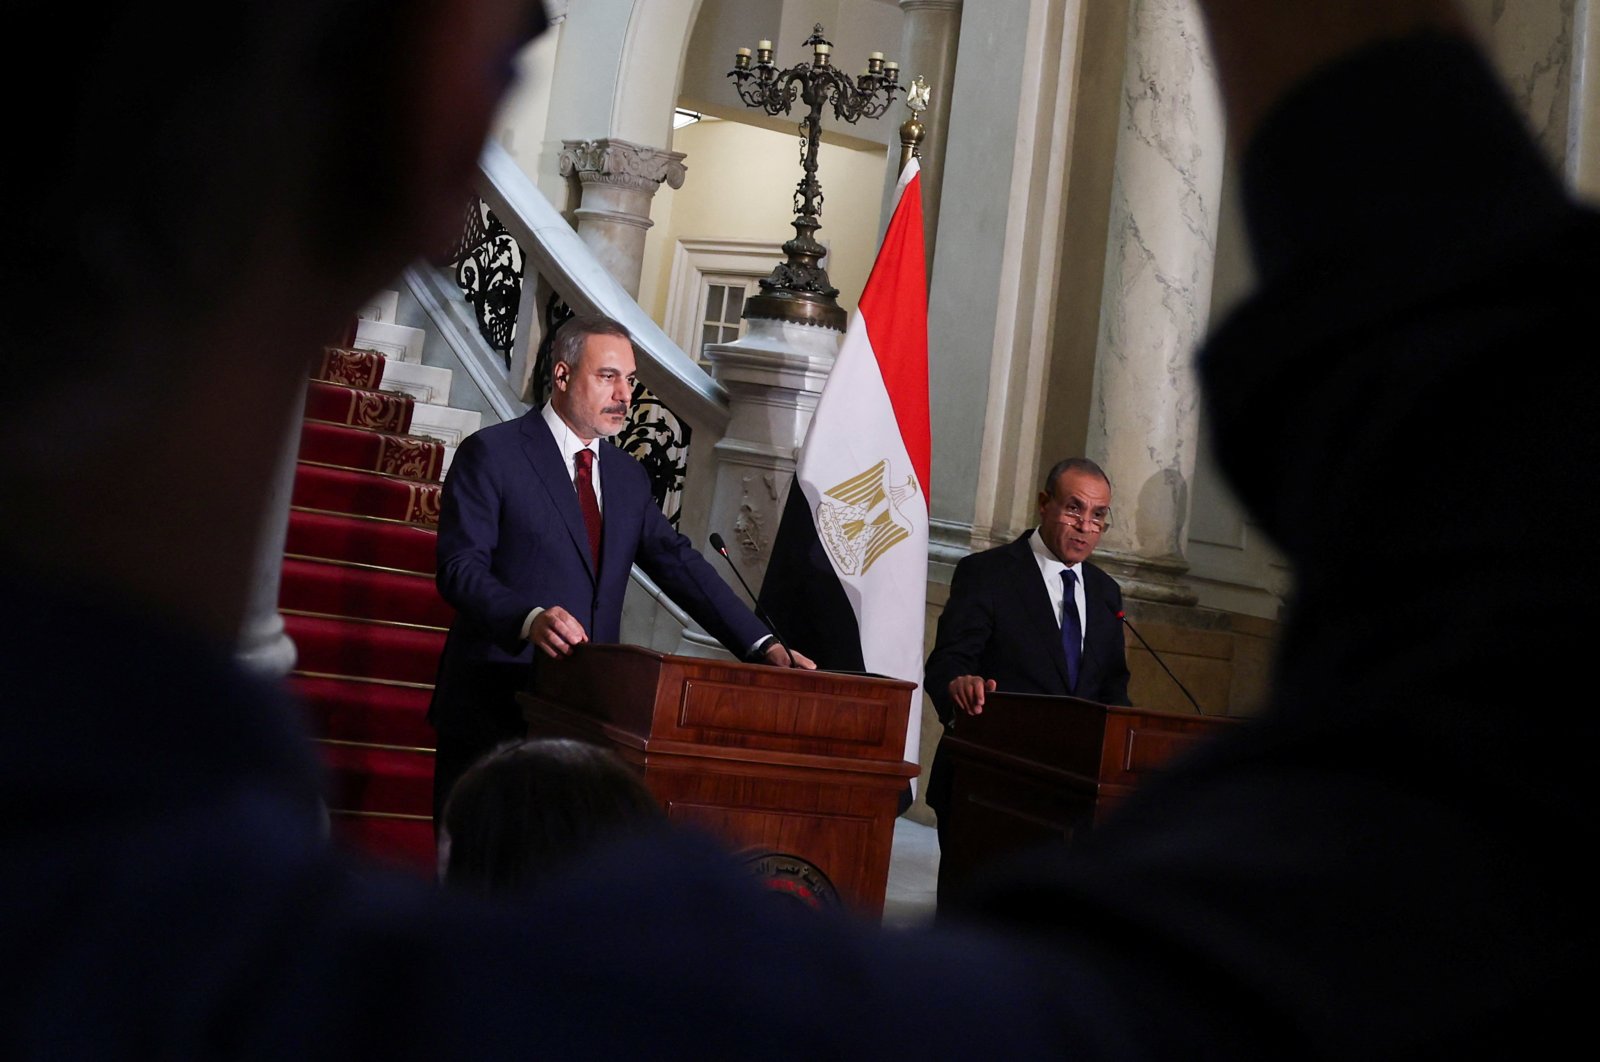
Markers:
566,441
1049,563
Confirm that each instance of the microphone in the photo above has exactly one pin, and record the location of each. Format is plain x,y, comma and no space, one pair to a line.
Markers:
761,613
1123,618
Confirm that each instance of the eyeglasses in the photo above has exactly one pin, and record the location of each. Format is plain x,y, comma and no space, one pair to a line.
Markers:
1098,520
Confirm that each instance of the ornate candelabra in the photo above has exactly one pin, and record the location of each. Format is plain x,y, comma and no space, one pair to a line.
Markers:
798,289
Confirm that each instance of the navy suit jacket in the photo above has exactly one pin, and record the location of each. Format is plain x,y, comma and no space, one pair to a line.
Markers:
999,623
512,538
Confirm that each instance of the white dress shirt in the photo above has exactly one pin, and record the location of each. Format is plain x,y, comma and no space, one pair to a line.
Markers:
569,445
1050,569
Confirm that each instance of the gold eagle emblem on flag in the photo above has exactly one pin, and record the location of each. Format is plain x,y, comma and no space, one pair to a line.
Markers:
860,520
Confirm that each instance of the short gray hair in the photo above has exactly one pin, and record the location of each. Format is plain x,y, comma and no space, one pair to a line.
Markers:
575,331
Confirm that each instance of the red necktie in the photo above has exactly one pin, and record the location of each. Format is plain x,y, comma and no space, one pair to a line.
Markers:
582,462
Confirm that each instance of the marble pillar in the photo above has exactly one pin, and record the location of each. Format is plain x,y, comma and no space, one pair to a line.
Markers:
930,35
1532,47
1583,137
616,181
1144,422
264,647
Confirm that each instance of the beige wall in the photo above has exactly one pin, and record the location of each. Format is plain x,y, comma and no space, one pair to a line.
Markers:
740,184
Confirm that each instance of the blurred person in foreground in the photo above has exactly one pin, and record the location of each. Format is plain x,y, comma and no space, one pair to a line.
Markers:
1379,869
529,808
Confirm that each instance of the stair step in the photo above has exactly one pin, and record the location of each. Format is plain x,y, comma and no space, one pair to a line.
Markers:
363,649
382,543
356,592
384,306
359,407
378,780
353,368
395,342
445,423
425,383
406,456
376,712
365,494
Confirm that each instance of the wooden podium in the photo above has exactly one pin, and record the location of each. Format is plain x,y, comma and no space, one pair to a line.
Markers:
1034,769
805,763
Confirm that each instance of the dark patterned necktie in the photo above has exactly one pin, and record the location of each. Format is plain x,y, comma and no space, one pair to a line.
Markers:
1071,631
582,462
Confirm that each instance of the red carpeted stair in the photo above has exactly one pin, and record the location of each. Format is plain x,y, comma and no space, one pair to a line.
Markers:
359,601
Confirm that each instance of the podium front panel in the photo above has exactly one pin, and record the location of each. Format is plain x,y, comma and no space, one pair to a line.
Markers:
802,763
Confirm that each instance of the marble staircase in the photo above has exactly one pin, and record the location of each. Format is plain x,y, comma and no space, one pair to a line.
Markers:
404,371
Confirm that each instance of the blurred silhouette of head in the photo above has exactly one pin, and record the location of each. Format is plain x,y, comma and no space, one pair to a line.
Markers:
530,807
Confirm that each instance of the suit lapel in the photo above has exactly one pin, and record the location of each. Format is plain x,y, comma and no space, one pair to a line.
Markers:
1096,628
618,542
545,457
1038,615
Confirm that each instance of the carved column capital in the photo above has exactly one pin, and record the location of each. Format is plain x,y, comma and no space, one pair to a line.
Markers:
621,162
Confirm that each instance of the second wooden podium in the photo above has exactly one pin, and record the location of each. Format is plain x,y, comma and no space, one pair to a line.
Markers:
1034,770
803,763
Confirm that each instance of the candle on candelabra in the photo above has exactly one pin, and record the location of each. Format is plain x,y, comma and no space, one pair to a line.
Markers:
798,289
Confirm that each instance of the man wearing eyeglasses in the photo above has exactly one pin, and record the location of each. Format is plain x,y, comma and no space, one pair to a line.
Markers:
1032,616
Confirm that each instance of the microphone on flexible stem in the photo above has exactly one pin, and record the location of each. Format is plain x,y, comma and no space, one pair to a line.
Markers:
761,613
1123,617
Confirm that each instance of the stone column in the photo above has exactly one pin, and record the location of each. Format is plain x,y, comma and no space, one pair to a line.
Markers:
930,34
1583,142
774,375
264,647
1534,47
1144,424
616,180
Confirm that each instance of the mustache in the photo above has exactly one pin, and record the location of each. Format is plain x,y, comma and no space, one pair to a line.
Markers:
618,408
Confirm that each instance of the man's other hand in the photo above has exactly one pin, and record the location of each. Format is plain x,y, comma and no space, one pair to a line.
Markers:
968,690
779,656
556,632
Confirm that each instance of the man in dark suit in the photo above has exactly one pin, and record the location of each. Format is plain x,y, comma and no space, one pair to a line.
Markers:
1032,616
539,529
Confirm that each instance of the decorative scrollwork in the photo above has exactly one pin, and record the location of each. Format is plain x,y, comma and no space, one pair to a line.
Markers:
488,268
555,312
798,276
660,442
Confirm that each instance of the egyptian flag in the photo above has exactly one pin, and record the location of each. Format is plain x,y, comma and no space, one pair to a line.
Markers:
847,582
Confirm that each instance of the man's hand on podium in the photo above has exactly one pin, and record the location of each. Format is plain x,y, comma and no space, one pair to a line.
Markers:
968,690
779,656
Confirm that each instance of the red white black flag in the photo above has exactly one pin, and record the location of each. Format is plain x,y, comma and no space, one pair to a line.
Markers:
847,581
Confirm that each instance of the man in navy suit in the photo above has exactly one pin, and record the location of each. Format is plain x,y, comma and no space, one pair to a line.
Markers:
1032,616
539,528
